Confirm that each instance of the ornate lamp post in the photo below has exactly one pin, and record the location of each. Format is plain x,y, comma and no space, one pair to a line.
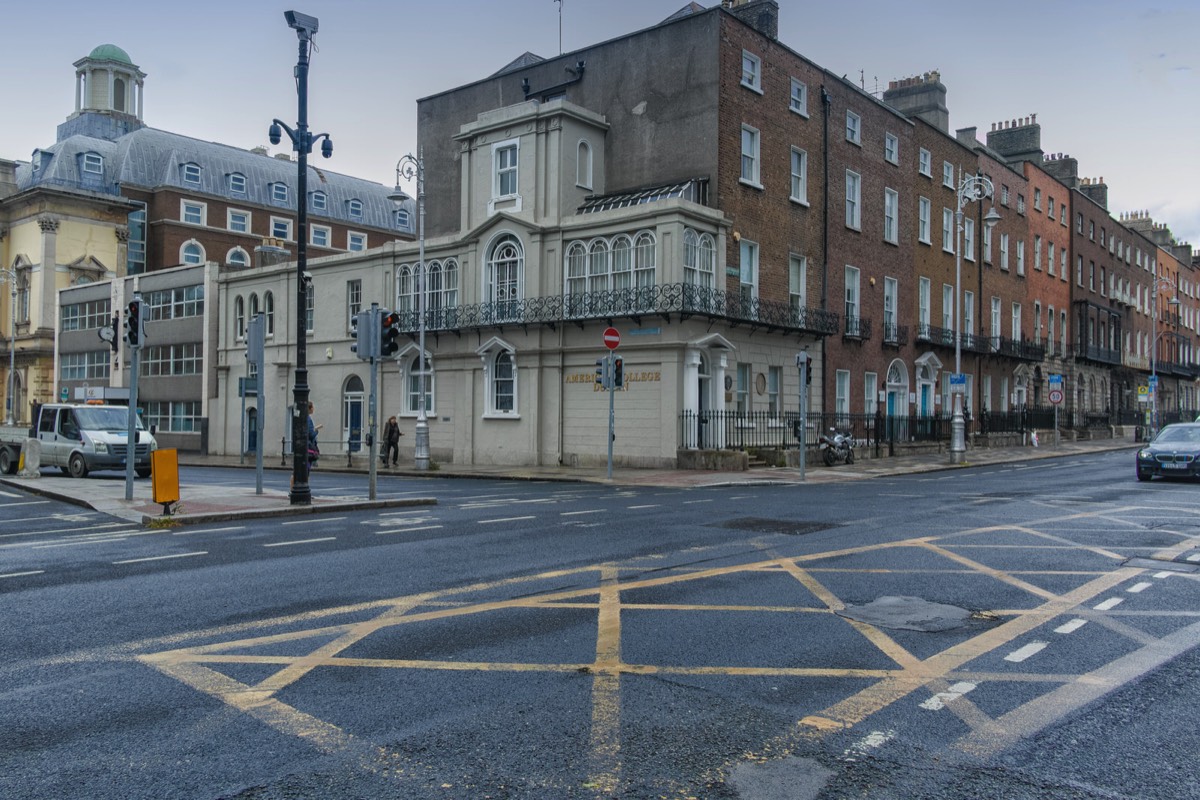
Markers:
302,143
970,189
10,403
408,167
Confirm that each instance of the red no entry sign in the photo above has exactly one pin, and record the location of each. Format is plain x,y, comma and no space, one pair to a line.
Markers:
612,338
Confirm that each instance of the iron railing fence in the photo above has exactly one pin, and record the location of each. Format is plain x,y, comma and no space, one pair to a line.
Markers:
720,430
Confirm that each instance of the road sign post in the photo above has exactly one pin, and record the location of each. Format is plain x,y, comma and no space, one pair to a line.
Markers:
612,340
802,361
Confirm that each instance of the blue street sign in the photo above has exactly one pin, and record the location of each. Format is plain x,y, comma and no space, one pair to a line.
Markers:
1056,380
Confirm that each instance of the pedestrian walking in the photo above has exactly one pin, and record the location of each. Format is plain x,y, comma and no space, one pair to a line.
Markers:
314,452
391,441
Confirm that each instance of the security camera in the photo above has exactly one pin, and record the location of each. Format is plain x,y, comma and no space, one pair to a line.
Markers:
307,277
301,22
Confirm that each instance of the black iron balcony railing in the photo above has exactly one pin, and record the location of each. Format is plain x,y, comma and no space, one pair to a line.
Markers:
942,336
894,334
1092,352
686,300
857,328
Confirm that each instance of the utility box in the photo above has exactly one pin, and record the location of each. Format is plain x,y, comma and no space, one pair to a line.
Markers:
164,477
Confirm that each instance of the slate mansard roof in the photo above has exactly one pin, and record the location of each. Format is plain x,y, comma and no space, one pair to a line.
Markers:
153,159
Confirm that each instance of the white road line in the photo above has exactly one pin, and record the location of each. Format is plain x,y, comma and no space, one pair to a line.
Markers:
651,505
1109,604
1139,587
1031,649
301,541
72,544
27,503
865,745
939,700
1071,627
1194,557
504,519
162,558
23,574
208,530
409,530
1163,574
692,502
9,494
313,521
577,513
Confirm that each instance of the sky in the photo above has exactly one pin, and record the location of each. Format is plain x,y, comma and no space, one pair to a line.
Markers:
1113,84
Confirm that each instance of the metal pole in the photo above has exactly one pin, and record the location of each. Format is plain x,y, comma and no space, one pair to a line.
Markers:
958,445
10,410
421,459
371,424
301,493
131,434
610,380
803,369
1154,364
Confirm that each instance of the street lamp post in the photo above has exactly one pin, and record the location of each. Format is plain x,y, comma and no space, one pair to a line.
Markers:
1159,283
302,143
10,403
970,189
408,167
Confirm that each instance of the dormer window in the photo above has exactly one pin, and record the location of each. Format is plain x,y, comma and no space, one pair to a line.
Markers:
319,201
279,192
402,219
191,174
237,183
355,208
93,163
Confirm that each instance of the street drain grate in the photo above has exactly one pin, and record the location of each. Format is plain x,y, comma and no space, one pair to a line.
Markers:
788,527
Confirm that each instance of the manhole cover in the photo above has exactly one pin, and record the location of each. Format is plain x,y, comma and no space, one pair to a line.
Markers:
909,614
789,527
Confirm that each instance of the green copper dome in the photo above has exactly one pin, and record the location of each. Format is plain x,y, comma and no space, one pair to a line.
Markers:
110,52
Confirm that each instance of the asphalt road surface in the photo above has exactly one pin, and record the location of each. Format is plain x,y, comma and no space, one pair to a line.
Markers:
1027,631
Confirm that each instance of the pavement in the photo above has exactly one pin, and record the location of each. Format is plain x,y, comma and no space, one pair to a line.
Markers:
199,503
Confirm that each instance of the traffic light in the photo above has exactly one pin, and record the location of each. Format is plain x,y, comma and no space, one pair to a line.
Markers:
808,373
366,339
133,323
389,332
618,373
602,372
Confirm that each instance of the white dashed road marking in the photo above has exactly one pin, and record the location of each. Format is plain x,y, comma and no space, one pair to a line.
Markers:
1109,604
1071,626
301,541
162,558
939,700
23,574
1139,587
1031,649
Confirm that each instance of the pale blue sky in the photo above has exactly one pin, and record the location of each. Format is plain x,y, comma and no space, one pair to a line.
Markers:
1114,84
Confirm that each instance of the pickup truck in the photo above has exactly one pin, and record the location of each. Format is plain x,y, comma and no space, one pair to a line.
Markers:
78,439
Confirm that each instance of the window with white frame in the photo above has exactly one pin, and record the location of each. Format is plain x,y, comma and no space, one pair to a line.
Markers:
1037,322
1016,322
870,393
1004,251
748,275
237,221
504,276
987,244
797,285
93,163
853,200
968,239
355,208
1037,199
237,257
699,259
239,318
583,165
924,312
269,312
798,99
1020,256
742,396
1079,270
356,241
947,230
177,303
968,315
172,359
504,168
236,183
281,228
93,314
320,235
799,176
853,128
751,71
841,401
412,385
1050,331
84,366
750,157
947,307
193,213
174,416
891,295
191,253
191,174
891,148
1020,203
852,308
947,174
1062,331
891,212
310,308
924,209
502,384
353,301
996,331
279,192
925,163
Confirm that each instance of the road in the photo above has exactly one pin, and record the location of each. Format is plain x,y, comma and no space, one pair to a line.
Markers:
1027,631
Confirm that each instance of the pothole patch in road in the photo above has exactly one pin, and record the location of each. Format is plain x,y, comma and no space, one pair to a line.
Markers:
792,777
788,527
910,614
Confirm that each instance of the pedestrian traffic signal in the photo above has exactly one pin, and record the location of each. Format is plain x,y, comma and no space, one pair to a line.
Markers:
618,373
389,332
808,373
367,340
133,323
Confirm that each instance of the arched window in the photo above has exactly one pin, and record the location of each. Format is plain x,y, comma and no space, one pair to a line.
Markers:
191,253
269,312
622,263
450,283
253,306
698,259
504,276
406,289
239,318
598,267
237,257
576,278
583,176
412,385
644,268
118,89
433,288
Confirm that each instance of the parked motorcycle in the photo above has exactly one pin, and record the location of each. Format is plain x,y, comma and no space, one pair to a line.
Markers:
836,446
